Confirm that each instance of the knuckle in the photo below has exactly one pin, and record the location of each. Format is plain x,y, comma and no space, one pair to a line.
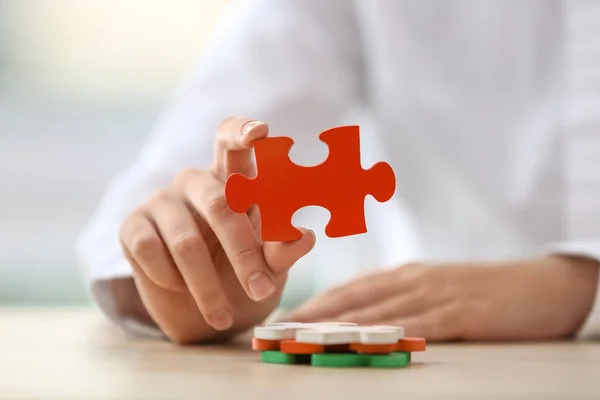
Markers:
184,176
124,229
217,207
186,244
162,196
130,226
416,270
449,315
216,170
194,183
417,296
351,297
144,243
247,256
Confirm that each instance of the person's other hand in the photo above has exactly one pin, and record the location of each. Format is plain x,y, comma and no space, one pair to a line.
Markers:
527,300
200,268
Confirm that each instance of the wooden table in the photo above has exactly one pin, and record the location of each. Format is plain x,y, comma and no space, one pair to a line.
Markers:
75,354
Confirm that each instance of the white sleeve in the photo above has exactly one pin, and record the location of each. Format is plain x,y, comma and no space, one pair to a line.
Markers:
294,64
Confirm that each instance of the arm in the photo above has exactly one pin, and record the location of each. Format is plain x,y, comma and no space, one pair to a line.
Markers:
583,259
292,63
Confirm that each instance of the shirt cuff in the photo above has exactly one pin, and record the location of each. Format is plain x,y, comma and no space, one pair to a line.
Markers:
589,249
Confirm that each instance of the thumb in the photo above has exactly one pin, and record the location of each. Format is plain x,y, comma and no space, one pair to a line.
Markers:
233,146
281,256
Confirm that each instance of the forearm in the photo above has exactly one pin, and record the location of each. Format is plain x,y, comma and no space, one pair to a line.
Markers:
579,277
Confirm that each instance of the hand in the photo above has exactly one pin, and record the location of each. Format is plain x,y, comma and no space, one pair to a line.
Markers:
199,267
528,300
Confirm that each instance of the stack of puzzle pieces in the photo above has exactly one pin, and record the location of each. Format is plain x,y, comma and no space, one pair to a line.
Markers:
335,344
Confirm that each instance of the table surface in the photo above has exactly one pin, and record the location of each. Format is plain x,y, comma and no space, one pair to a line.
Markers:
74,353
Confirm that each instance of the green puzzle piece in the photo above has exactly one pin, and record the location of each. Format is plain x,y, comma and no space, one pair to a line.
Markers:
339,360
393,360
277,357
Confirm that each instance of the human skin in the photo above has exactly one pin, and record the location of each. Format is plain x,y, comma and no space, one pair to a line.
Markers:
538,299
201,273
200,269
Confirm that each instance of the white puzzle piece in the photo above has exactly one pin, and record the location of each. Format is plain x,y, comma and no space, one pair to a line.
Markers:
274,332
309,324
287,330
328,335
380,334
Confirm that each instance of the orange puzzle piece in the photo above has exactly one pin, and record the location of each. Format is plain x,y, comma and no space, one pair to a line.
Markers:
293,347
411,344
373,348
339,184
265,345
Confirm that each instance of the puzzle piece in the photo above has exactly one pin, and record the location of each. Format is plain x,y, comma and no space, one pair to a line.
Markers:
287,330
327,333
339,184
370,348
294,347
277,357
264,345
335,344
340,360
393,360
411,344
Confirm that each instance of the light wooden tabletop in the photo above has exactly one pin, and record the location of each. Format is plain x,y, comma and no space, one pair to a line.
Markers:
76,354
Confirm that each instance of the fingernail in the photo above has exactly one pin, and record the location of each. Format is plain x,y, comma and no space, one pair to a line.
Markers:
248,126
260,285
221,320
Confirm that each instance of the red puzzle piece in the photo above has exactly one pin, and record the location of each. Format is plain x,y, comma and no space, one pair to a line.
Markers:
339,184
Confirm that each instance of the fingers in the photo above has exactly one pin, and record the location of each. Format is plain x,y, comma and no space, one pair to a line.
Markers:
143,244
281,256
233,148
441,323
355,295
234,154
188,249
404,305
234,232
165,243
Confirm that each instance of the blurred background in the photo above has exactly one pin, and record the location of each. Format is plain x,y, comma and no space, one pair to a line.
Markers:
78,80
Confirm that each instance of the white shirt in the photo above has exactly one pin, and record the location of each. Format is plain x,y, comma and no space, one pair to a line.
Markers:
488,112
